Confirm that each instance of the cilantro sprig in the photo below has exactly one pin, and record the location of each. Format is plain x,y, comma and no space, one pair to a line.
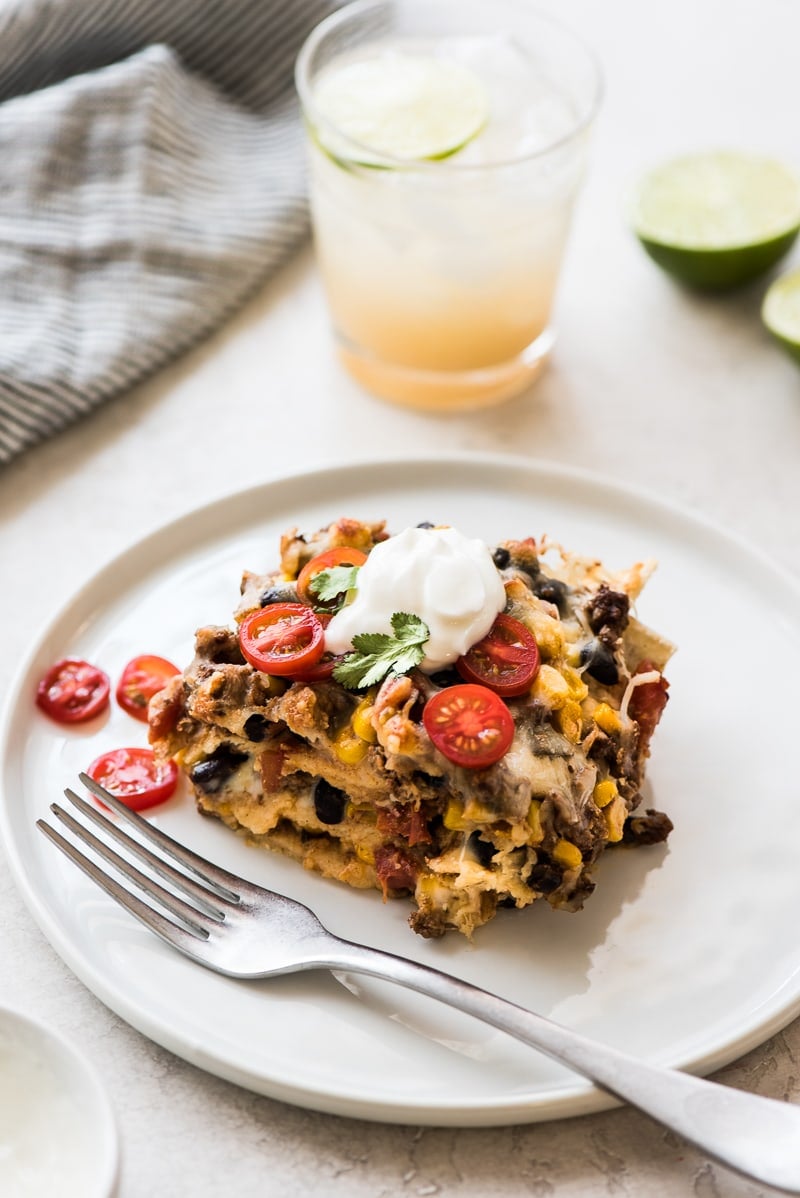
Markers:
333,584
376,654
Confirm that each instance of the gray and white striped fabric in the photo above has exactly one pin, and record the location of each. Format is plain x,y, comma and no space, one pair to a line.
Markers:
151,176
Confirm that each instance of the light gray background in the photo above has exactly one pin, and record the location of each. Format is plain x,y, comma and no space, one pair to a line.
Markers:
684,395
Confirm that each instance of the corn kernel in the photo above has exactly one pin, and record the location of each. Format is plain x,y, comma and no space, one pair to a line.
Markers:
364,815
567,855
349,748
569,720
550,687
606,718
578,689
615,814
605,792
430,887
547,631
476,812
453,817
362,721
503,830
535,822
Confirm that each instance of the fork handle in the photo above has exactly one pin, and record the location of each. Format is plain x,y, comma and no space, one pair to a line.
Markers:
758,1137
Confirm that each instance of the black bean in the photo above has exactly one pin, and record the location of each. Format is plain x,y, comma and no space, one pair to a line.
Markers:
545,878
329,802
482,849
255,727
501,557
212,773
426,524
278,594
600,663
552,590
446,677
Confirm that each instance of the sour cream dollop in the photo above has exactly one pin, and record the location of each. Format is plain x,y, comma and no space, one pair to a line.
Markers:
438,574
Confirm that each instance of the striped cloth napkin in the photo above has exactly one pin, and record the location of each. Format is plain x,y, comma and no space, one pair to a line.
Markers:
151,176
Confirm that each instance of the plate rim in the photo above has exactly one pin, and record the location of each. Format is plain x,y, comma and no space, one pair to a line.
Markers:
582,1097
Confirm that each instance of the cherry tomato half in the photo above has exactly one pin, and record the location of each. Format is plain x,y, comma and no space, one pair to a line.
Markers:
506,660
470,725
73,690
135,777
282,639
323,669
142,678
341,556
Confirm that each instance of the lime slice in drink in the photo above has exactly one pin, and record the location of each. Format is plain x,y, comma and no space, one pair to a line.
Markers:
398,106
717,220
781,312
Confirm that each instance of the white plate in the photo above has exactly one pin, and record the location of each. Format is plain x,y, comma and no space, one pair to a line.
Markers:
687,954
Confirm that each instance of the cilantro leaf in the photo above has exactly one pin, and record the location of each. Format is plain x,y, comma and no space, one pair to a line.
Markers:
328,585
376,654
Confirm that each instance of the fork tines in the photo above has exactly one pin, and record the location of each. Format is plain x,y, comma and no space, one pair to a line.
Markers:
211,892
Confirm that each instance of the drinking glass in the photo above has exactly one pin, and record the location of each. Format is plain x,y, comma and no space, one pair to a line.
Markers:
440,273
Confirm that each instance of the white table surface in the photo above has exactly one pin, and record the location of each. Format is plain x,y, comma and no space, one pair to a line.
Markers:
683,395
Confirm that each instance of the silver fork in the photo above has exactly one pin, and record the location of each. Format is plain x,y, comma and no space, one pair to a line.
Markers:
242,930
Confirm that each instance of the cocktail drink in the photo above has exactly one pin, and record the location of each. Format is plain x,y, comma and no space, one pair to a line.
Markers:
447,142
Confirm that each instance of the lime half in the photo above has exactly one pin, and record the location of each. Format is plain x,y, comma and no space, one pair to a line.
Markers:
717,220
399,106
781,312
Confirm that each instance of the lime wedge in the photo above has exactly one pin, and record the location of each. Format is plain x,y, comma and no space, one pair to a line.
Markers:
717,220
399,106
781,312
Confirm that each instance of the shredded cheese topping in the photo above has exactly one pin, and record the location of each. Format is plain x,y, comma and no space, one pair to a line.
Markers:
636,680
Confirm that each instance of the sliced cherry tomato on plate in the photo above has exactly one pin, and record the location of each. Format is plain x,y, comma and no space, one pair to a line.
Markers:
143,677
73,690
506,660
282,639
470,725
135,777
340,556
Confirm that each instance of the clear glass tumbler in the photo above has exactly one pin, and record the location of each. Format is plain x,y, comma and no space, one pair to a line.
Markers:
440,273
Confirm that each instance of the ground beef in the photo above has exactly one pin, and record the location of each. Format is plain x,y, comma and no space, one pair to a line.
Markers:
429,923
607,613
651,828
219,645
